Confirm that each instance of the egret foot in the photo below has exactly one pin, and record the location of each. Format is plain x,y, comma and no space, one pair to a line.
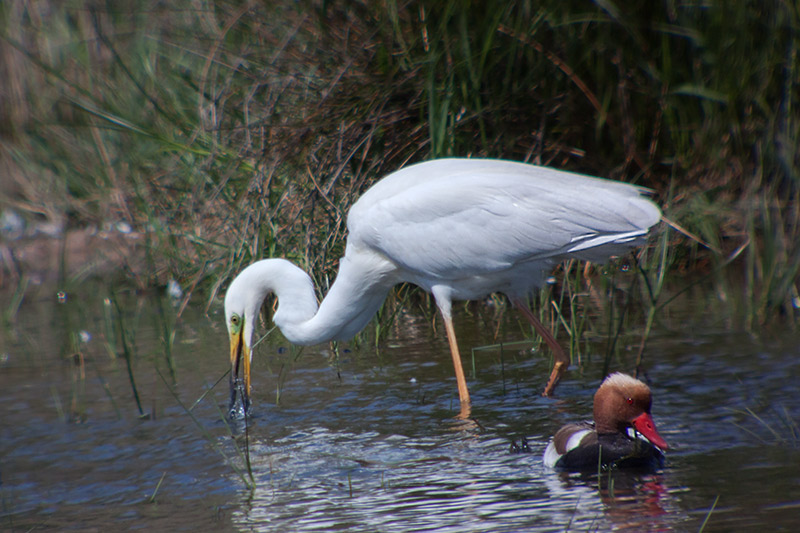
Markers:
555,376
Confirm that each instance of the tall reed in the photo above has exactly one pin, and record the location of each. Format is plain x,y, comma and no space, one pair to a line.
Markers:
229,132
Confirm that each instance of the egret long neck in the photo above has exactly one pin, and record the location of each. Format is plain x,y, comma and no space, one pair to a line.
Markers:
358,292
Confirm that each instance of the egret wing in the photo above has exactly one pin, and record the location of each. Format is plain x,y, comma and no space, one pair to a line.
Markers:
485,219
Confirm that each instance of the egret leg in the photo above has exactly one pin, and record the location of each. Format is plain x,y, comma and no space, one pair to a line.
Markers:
443,302
562,360
463,391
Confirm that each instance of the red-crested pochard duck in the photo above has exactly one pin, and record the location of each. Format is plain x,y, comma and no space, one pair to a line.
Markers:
623,434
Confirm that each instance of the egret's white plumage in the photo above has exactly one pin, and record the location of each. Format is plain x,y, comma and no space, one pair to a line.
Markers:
458,228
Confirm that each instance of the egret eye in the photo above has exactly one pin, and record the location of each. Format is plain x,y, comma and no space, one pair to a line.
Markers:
236,322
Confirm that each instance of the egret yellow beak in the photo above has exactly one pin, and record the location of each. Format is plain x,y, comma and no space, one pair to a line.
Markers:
240,354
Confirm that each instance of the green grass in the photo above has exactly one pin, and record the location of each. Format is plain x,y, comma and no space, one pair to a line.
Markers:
776,427
708,515
231,132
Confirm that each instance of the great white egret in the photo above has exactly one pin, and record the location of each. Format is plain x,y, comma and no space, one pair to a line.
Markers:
460,229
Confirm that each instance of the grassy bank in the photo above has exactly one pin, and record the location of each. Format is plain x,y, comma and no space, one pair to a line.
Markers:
228,131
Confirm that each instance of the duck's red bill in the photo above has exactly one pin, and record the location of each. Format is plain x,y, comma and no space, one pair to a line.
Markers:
644,424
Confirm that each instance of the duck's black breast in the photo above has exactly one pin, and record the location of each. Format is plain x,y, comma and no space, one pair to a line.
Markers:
601,452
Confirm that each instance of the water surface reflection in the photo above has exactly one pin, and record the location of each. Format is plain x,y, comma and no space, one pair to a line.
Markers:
370,442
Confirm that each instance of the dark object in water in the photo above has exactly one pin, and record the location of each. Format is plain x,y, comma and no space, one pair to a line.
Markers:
623,434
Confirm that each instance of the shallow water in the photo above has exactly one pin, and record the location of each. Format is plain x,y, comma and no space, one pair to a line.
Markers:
371,442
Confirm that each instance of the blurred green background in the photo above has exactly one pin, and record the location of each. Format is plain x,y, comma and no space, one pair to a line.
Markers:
206,134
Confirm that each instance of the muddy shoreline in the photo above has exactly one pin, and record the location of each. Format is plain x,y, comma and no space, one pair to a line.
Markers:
73,255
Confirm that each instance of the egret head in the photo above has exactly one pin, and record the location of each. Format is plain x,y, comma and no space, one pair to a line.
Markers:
243,302
240,315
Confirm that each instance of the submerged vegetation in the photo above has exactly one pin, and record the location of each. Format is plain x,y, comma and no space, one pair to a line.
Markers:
226,131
